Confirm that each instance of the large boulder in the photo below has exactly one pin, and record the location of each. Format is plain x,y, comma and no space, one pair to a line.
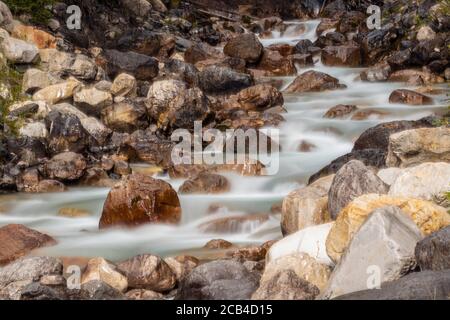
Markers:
216,79
148,272
314,81
66,166
428,216
427,285
425,181
433,252
349,56
140,199
17,240
354,179
386,240
404,96
286,285
306,206
141,66
98,269
310,240
245,46
219,280
416,146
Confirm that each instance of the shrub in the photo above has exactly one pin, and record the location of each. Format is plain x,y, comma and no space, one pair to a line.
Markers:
37,9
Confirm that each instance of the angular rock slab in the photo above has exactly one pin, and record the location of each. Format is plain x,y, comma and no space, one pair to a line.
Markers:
433,252
427,285
353,180
385,243
428,216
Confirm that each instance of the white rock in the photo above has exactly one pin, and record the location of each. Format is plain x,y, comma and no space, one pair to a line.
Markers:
426,33
310,240
34,130
18,51
389,175
383,247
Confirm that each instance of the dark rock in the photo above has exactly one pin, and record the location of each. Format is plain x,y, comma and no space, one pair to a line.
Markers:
433,252
427,285
218,280
67,166
275,64
245,46
141,66
314,81
349,56
354,179
221,79
302,47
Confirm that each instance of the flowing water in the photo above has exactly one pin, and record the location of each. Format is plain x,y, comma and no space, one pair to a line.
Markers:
248,195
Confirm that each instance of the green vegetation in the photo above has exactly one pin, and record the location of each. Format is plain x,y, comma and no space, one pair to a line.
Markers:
38,10
10,92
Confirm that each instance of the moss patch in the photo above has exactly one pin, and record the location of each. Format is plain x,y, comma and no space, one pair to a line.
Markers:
38,10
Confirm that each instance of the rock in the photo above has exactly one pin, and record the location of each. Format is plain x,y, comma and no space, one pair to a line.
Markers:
427,285
182,266
123,85
67,166
276,65
326,24
424,181
314,81
66,133
310,240
245,46
250,253
141,66
64,64
57,92
161,93
148,272
18,51
425,33
348,56
368,114
96,129
184,109
286,285
125,116
260,97
13,291
140,199
407,74
340,111
29,268
427,216
101,270
386,240
205,183
218,280
378,137
302,47
201,51
302,60
31,34
416,146
303,265
151,148
370,157
214,79
218,244
409,97
139,8
98,290
34,130
68,109
46,186
35,79
378,72
433,252
6,16
91,100
17,240
122,168
306,206
141,294
354,179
